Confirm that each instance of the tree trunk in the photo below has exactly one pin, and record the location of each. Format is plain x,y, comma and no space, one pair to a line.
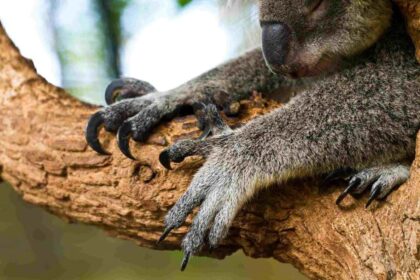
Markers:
44,156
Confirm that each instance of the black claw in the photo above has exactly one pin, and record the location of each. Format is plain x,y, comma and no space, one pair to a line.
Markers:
95,122
337,174
165,234
374,194
205,133
165,160
353,184
123,136
126,88
113,90
185,260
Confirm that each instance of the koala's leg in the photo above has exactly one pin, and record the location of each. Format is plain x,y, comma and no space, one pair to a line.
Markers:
316,132
382,180
143,107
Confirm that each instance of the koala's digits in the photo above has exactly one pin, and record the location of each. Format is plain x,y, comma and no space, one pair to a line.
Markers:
361,112
223,86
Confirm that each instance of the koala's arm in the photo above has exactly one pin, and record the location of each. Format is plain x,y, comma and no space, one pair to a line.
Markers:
365,119
143,107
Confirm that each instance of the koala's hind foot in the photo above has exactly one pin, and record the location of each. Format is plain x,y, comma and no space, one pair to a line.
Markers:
136,107
220,188
382,180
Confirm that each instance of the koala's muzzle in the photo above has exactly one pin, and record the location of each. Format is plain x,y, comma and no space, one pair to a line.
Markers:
275,43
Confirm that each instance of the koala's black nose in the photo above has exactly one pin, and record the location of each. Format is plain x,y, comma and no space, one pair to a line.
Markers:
275,42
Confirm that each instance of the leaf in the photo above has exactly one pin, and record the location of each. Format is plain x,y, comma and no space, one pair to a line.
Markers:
183,3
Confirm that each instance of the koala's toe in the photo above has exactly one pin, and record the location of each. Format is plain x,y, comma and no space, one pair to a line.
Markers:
381,180
192,198
210,120
182,149
222,222
126,88
389,179
195,238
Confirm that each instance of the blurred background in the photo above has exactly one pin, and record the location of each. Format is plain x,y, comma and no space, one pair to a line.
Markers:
82,45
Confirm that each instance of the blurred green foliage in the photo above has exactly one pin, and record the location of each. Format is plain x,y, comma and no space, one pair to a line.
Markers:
183,3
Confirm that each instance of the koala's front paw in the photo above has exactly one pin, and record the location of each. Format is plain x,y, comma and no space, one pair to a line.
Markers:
382,180
128,92
220,188
185,148
140,108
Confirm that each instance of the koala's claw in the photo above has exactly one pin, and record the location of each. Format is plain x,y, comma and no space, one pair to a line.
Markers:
165,234
125,88
179,151
95,123
338,174
185,260
383,180
165,160
123,137
185,148
352,185
373,195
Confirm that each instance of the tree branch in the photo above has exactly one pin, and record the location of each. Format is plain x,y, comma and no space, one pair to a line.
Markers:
43,155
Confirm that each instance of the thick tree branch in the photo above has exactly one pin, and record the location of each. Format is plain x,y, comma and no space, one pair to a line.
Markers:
44,156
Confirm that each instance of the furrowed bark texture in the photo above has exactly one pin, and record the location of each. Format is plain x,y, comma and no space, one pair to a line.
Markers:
411,11
43,155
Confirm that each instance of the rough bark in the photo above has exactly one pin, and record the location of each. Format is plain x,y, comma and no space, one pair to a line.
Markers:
43,155
411,11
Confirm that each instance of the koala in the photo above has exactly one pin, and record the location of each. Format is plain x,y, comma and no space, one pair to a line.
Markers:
357,108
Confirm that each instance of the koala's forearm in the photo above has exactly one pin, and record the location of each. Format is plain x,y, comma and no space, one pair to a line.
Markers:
238,78
320,130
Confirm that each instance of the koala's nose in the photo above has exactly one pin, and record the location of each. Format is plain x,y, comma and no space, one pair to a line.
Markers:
275,42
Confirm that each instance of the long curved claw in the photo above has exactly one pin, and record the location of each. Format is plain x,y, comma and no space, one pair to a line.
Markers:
165,160
185,260
125,88
95,122
164,235
123,137
374,194
112,91
337,174
353,184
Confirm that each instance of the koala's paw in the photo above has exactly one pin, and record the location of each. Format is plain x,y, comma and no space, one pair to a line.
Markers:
202,146
382,181
136,107
220,188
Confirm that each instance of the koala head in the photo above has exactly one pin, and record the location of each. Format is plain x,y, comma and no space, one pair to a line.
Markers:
303,38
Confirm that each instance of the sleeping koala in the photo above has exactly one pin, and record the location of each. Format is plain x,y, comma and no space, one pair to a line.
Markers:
357,108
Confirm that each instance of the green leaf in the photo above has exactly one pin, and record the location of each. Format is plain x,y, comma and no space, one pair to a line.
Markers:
183,3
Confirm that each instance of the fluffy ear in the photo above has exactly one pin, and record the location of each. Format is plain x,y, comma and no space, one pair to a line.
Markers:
411,11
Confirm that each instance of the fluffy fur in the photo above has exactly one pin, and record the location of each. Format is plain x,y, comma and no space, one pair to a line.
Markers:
363,116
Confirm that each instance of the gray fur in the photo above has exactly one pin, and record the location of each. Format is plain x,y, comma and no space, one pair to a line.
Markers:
362,115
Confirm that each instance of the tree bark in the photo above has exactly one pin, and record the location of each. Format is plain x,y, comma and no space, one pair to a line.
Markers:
44,156
411,11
